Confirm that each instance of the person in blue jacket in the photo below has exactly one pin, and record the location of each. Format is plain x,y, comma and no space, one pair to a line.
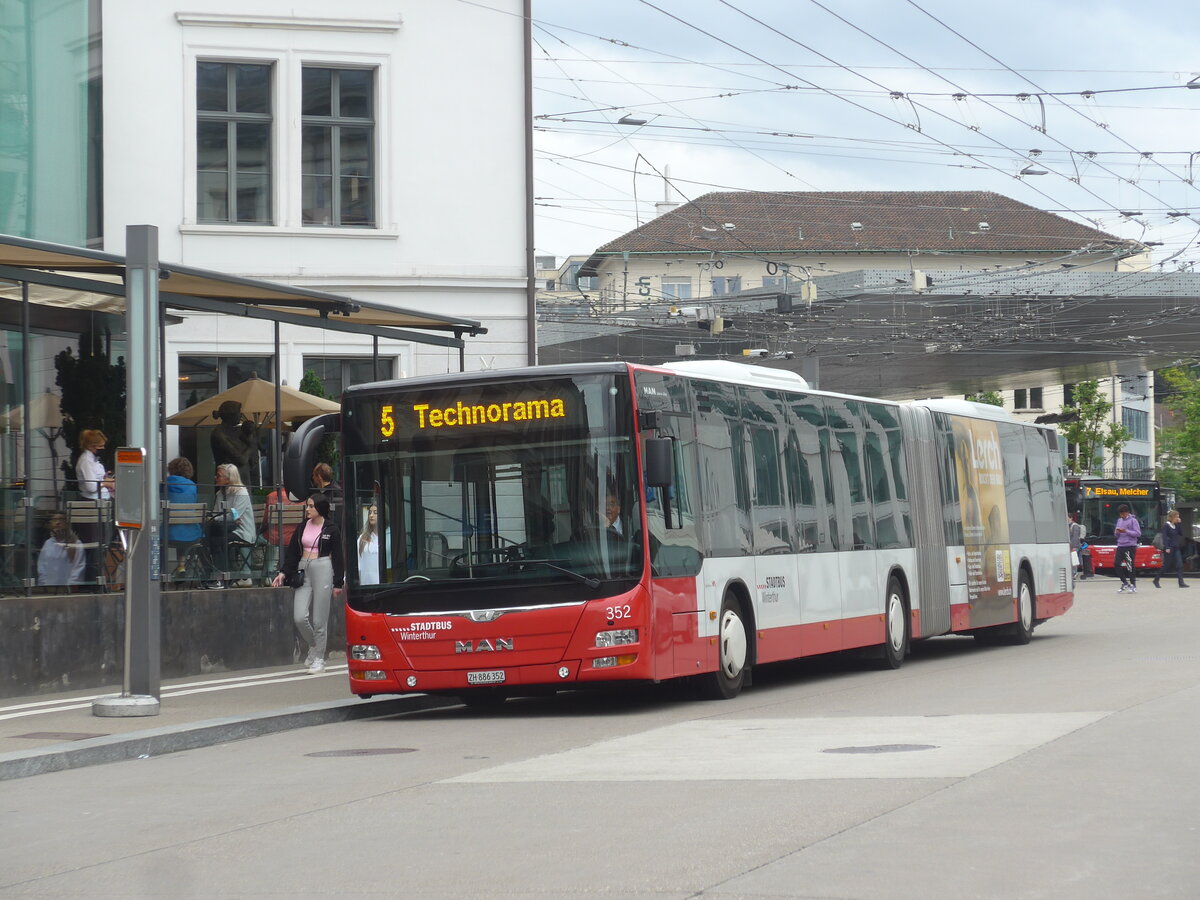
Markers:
181,489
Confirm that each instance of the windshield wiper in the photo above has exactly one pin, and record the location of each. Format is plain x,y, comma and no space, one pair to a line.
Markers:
411,582
574,576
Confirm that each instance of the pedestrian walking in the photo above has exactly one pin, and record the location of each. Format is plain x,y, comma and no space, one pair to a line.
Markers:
1172,549
1128,531
313,564
1075,534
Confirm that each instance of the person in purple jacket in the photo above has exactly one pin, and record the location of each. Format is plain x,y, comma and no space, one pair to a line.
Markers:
1128,531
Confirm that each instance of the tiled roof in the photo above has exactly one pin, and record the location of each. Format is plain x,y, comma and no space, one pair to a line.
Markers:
817,222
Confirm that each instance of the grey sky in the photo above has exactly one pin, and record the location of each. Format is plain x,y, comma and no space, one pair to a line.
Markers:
792,120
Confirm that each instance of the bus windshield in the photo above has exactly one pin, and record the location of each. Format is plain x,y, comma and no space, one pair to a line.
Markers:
506,487
1100,517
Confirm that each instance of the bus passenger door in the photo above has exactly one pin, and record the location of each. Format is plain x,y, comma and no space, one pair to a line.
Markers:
676,585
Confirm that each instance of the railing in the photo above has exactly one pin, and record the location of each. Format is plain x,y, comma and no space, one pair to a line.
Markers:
55,542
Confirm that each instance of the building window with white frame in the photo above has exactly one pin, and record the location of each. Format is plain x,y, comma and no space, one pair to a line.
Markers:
677,287
233,142
1136,465
338,146
1137,422
723,285
340,372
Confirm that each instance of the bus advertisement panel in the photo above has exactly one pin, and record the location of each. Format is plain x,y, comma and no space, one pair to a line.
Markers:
984,514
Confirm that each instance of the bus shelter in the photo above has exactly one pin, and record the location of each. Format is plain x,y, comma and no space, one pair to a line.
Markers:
52,289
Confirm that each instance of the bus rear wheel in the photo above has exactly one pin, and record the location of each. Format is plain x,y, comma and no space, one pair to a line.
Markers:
1021,631
895,617
733,646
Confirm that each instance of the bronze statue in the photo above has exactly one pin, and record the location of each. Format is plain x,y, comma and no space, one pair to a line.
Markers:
234,440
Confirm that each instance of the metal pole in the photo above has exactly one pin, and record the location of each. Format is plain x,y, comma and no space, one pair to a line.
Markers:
277,438
277,450
530,266
143,660
27,432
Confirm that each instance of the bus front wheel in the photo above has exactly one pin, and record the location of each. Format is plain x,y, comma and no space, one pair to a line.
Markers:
733,645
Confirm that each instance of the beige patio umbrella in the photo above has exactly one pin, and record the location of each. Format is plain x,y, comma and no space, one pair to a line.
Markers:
258,405
44,412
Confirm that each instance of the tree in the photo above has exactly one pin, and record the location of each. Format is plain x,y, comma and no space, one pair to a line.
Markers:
1092,432
311,383
991,398
93,394
1179,443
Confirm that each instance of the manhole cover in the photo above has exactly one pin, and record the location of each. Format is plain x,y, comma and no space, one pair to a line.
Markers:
369,751
882,748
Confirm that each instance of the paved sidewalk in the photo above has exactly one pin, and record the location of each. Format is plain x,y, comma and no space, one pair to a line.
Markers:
52,732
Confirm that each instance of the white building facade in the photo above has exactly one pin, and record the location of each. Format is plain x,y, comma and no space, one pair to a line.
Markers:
352,155
376,150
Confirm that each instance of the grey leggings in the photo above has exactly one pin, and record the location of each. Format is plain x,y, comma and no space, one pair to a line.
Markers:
310,609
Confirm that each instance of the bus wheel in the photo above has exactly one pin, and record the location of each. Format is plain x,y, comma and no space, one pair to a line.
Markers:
1021,631
895,639
732,651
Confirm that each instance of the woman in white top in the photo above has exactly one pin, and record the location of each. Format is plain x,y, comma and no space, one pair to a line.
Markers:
94,482
233,519
368,549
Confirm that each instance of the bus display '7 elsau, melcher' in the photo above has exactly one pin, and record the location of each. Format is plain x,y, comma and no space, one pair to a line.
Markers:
573,525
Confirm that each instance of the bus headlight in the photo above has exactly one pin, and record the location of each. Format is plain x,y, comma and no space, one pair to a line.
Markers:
617,638
365,652
370,675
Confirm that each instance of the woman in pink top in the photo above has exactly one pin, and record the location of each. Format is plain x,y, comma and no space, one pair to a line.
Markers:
316,550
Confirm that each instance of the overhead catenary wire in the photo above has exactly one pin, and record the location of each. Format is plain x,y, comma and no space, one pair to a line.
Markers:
1009,68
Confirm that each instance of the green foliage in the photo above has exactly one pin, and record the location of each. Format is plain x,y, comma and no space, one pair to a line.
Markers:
1179,444
311,383
991,398
1092,432
93,393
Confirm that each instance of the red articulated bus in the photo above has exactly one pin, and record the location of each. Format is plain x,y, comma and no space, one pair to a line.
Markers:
567,526
1095,502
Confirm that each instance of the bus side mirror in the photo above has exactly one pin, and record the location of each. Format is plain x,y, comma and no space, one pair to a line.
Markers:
660,462
301,454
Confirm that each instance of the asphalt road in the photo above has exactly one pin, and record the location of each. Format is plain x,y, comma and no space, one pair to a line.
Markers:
1063,769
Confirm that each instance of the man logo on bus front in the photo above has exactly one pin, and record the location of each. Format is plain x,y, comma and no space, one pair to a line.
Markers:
484,646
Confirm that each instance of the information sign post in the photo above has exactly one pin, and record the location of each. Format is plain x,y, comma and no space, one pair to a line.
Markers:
130,519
